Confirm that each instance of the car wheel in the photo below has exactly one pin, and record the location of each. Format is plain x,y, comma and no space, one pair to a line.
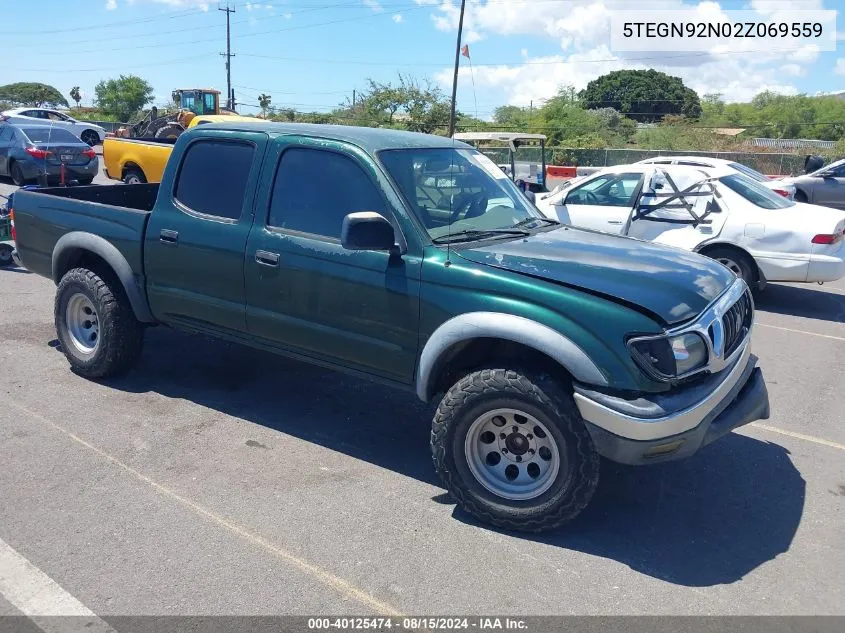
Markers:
737,262
16,173
513,450
134,176
6,255
90,137
800,196
99,333
85,181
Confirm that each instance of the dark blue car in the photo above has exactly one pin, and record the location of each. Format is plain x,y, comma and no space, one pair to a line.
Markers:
29,151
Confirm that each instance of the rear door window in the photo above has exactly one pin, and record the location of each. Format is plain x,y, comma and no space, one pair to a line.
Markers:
213,177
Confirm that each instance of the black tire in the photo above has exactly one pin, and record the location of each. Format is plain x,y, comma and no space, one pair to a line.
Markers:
16,174
85,181
800,196
90,137
134,176
738,262
120,335
538,396
171,130
6,255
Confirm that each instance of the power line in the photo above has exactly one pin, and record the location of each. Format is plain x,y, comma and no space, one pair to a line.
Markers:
179,14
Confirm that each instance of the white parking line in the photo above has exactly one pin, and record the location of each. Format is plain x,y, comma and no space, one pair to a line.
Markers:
789,329
39,597
799,436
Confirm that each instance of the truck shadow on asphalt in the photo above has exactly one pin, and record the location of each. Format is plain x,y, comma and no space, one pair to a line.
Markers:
802,302
705,521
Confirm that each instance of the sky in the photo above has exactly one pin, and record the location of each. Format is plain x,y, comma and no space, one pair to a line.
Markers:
311,55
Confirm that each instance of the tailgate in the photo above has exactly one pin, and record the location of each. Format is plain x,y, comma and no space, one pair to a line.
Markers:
41,220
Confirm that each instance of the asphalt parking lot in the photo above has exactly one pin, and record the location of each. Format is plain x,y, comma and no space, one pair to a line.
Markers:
218,480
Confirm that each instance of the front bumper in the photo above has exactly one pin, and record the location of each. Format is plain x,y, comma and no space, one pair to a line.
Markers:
662,428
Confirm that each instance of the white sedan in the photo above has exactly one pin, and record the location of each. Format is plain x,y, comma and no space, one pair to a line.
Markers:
726,215
88,132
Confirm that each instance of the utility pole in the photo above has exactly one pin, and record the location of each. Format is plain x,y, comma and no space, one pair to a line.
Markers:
457,63
353,97
228,55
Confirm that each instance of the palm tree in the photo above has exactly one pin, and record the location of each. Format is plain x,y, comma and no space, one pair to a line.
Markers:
264,102
76,95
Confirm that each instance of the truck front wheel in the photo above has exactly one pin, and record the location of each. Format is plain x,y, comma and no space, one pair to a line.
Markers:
99,333
513,450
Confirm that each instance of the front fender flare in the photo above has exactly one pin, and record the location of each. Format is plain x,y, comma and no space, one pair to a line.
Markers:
510,327
75,241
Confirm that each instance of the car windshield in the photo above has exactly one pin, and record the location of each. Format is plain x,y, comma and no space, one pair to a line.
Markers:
751,173
49,135
755,193
458,191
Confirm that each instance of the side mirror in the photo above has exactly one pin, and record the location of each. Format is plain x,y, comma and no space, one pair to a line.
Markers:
367,231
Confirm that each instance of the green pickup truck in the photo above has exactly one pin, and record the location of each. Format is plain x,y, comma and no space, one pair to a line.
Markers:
417,263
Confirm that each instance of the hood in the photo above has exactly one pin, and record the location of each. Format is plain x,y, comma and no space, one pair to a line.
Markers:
670,284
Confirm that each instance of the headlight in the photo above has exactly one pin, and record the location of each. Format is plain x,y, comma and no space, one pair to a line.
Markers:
670,357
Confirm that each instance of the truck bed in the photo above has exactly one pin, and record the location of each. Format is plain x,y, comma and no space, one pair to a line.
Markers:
116,213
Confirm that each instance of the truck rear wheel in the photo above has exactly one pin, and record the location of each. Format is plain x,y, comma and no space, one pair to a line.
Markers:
513,450
134,176
99,333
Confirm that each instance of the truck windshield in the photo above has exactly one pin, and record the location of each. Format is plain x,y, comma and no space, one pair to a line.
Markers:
457,191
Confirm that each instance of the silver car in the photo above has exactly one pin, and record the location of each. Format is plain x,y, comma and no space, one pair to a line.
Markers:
825,186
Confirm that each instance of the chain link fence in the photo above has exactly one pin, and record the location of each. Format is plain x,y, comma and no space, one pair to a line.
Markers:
769,163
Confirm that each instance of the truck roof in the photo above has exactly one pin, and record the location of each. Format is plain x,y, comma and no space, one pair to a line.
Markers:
367,138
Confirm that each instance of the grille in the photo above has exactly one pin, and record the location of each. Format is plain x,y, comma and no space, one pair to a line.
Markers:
736,323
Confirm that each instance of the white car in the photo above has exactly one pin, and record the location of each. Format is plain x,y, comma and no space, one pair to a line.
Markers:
726,215
782,187
88,132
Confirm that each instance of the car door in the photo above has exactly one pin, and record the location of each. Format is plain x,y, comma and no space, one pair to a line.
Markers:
6,139
603,203
829,190
307,294
197,233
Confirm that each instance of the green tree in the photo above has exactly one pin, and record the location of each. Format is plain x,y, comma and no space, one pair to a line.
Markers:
264,103
124,96
642,95
76,95
32,94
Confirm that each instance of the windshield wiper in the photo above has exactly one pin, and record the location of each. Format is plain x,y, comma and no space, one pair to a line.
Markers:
527,221
477,234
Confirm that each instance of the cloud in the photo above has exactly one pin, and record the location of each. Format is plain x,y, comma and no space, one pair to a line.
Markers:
111,5
397,17
839,69
375,5
794,70
738,68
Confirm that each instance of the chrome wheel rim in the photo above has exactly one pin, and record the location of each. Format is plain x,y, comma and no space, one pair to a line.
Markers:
512,454
731,265
83,324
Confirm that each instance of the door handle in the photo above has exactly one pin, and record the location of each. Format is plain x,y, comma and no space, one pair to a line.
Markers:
266,258
614,221
168,237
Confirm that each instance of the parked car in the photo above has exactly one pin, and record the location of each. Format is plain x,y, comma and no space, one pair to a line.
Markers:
546,346
778,185
760,235
88,132
825,186
29,151
139,160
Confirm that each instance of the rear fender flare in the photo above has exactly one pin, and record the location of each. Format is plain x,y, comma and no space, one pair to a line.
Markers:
72,243
510,327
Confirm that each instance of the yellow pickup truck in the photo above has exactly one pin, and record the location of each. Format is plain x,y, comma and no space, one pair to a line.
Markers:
140,160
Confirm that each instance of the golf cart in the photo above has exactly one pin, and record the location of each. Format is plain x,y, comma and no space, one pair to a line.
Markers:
531,176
